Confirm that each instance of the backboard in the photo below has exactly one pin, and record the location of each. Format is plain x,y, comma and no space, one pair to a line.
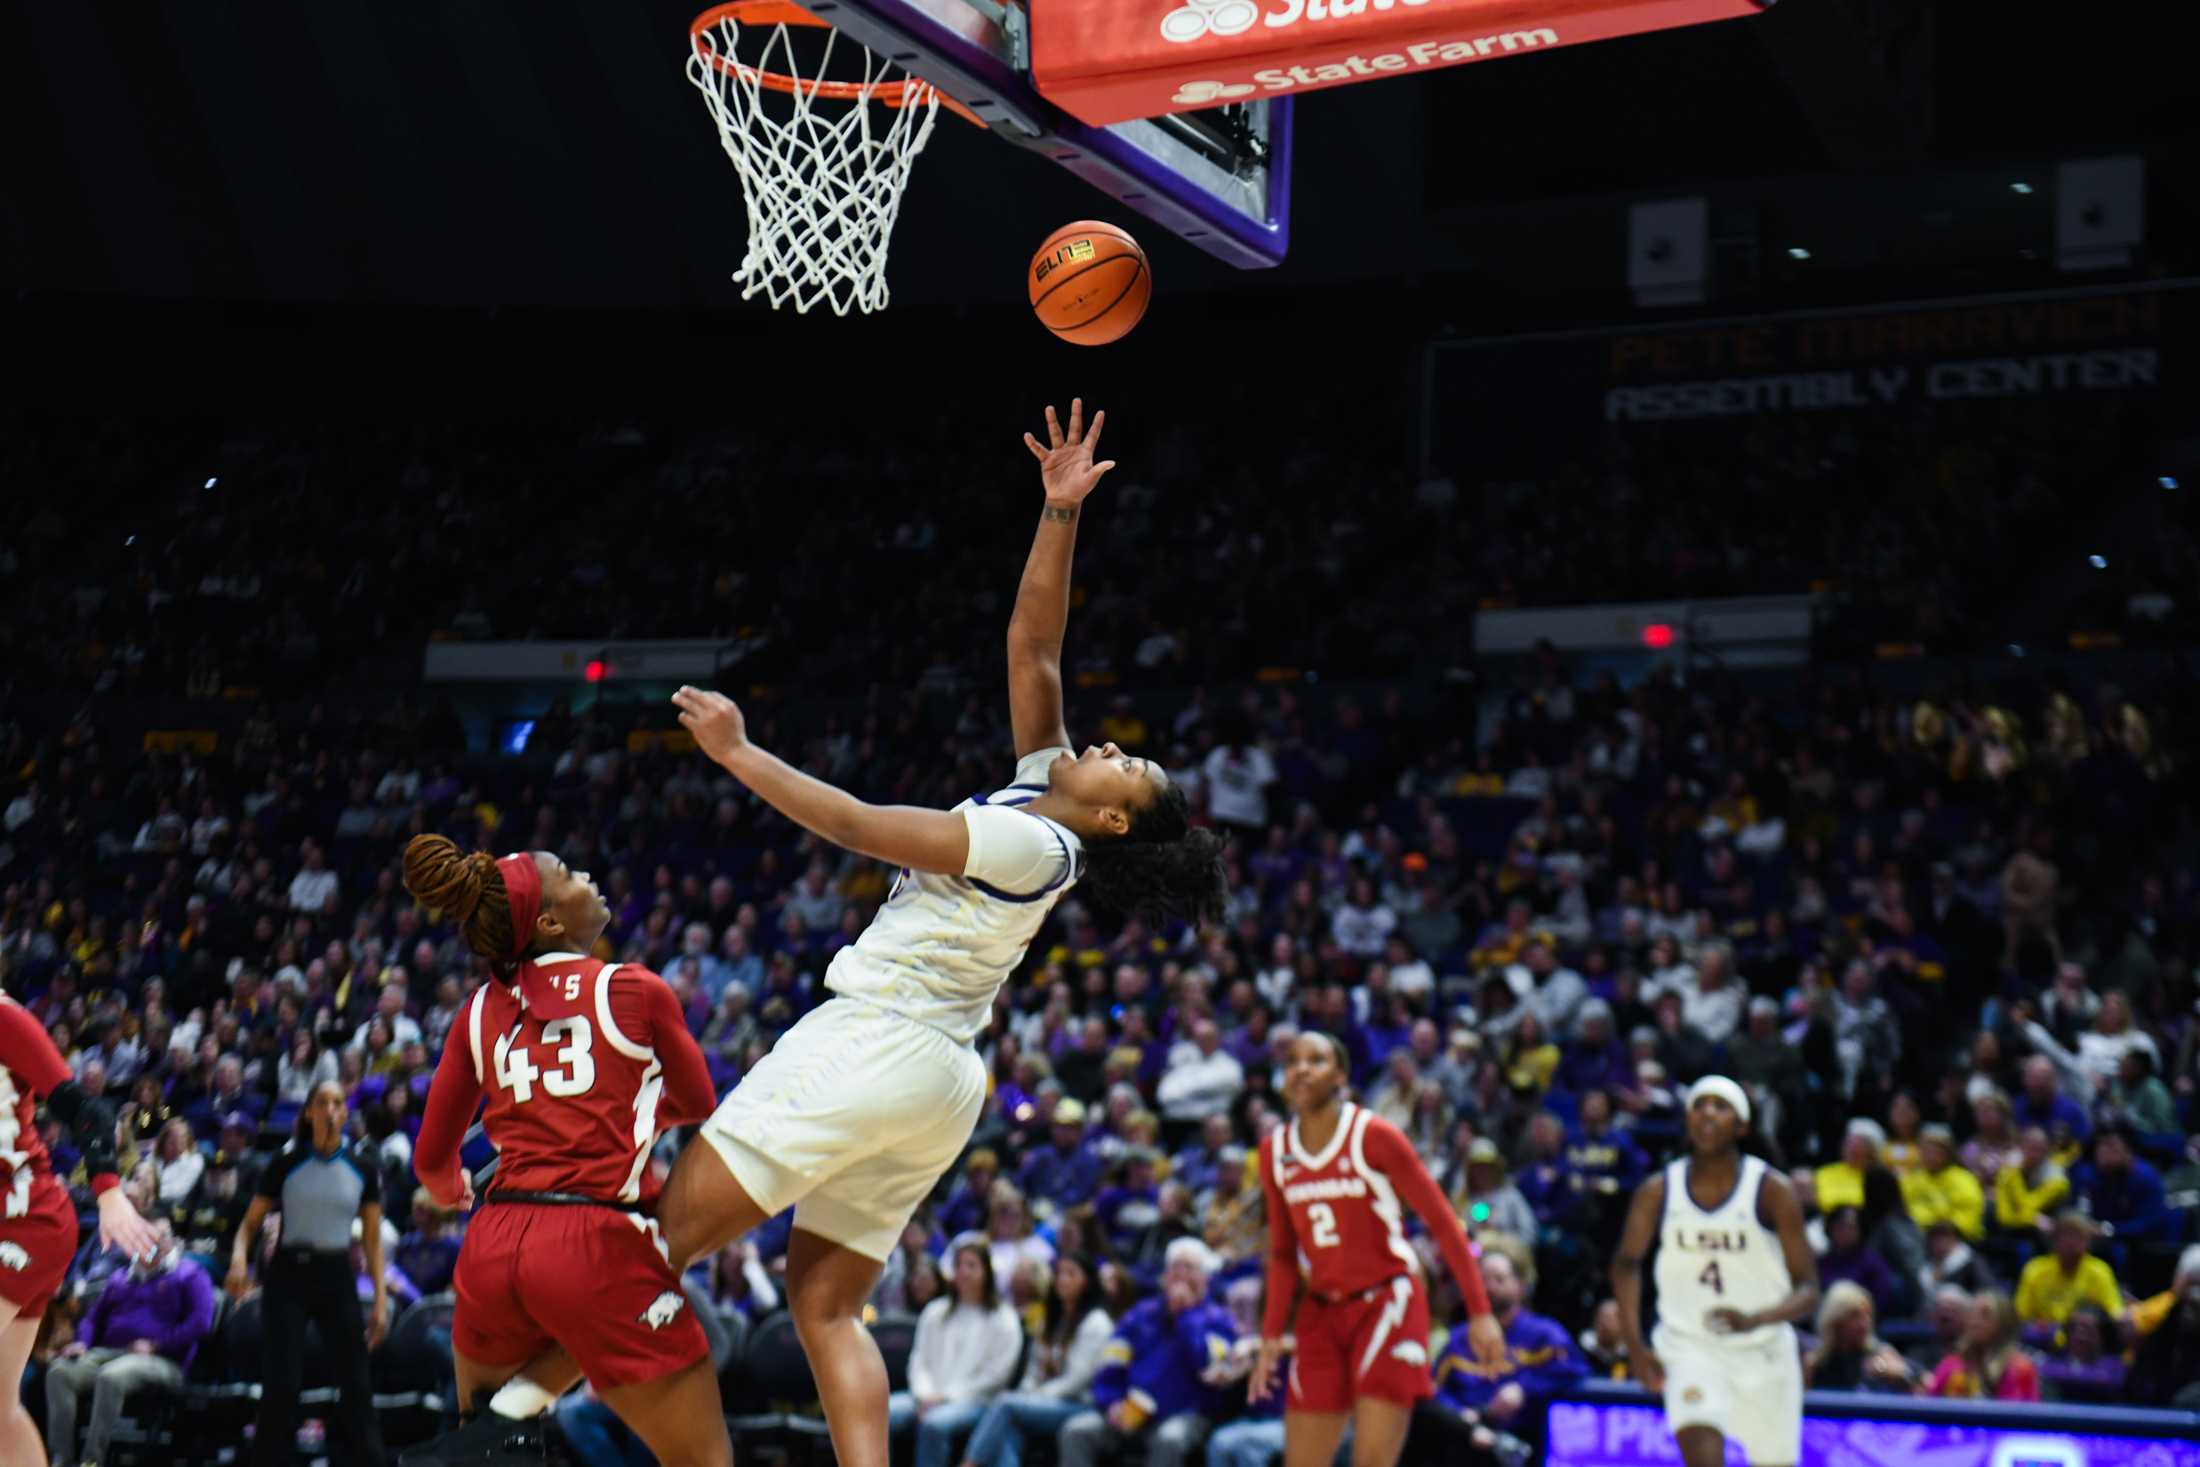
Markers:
1220,178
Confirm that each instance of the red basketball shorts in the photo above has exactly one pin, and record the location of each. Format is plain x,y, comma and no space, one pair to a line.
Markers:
592,1279
1372,1344
35,1244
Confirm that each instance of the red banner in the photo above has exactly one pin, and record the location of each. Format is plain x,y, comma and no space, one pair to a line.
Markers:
1106,61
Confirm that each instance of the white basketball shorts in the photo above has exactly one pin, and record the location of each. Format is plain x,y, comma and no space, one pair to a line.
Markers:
1752,1393
851,1119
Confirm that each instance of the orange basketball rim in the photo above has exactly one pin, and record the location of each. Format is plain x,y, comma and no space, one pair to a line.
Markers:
779,12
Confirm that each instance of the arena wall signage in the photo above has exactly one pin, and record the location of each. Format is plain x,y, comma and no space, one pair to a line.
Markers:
1502,400
1897,1433
1109,61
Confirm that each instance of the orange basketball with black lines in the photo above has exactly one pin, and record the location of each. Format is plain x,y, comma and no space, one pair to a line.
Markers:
1090,283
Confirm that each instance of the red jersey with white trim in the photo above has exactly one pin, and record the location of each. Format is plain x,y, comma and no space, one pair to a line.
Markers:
1336,1217
580,1065
30,1066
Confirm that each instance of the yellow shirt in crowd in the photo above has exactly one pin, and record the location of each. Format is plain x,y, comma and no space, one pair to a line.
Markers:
2046,1294
1951,1194
2021,1204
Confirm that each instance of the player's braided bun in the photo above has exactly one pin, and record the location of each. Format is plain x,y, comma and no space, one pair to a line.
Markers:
466,888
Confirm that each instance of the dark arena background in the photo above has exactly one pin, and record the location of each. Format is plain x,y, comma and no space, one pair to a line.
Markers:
1687,566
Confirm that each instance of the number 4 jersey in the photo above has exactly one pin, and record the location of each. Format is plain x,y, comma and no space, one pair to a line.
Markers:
1722,1257
580,1066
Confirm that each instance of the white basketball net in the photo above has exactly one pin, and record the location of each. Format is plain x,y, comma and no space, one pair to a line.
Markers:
823,178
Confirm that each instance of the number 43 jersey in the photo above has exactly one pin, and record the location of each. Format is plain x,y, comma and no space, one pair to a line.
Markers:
1722,1257
580,1065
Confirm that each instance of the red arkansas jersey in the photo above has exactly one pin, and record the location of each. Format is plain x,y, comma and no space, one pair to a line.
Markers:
30,1066
1337,1216
580,1066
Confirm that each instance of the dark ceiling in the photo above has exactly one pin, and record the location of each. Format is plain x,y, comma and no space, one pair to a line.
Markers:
493,153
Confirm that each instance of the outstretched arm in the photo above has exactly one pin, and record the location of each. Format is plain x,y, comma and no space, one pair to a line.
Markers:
900,835
1035,627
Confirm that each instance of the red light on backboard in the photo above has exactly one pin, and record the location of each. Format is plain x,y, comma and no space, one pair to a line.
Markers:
1657,636
595,671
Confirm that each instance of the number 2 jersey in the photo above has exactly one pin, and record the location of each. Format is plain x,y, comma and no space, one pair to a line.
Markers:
1337,1216
580,1066
1723,1257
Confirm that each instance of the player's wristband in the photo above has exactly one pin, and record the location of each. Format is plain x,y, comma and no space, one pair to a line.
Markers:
104,1182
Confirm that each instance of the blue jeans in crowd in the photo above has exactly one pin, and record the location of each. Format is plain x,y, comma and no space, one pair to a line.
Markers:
937,1430
999,1439
1253,1442
598,1437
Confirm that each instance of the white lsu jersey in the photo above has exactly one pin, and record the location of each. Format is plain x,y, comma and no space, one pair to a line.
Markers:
942,946
1721,1257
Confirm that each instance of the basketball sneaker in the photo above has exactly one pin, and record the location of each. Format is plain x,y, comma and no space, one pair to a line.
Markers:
488,1440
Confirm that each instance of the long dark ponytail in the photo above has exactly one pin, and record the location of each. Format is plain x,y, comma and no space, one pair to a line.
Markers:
1162,867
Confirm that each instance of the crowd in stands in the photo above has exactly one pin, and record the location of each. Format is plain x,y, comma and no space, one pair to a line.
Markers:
1952,962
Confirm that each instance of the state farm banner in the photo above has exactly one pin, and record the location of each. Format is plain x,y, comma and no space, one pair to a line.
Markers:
1105,61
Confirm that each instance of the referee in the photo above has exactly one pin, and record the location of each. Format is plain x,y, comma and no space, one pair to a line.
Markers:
319,1186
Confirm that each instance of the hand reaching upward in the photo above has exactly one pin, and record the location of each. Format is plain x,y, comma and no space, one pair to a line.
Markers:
1065,462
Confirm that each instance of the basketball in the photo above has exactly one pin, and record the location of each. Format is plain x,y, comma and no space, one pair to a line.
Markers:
1090,283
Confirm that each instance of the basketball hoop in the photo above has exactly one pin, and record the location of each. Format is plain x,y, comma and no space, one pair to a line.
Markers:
823,178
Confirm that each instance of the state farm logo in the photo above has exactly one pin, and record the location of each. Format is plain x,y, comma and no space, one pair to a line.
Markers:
1199,93
1199,18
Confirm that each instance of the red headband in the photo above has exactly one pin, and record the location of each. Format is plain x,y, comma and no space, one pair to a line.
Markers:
523,892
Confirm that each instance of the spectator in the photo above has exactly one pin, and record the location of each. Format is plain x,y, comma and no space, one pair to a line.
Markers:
971,1199
2044,1105
1712,1004
813,901
1938,1190
139,1336
1988,1363
1994,1143
313,889
179,1163
1848,1258
1362,926
1540,1360
1237,777
1489,1199
1066,1171
1905,1149
1849,1356
2092,1068
1947,1317
1197,1165
2123,1193
2166,1371
1553,993
1595,1059
2089,1368
2027,1195
1841,1183
2057,1282
1203,1078
1950,1259
1150,1387
1894,1234
1057,1382
1549,1181
2138,1098
1011,1243
966,1348
1606,1161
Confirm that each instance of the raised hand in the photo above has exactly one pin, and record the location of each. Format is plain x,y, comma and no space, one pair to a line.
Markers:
1066,468
121,1228
714,720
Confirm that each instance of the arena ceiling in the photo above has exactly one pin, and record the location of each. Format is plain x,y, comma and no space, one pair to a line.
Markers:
492,153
